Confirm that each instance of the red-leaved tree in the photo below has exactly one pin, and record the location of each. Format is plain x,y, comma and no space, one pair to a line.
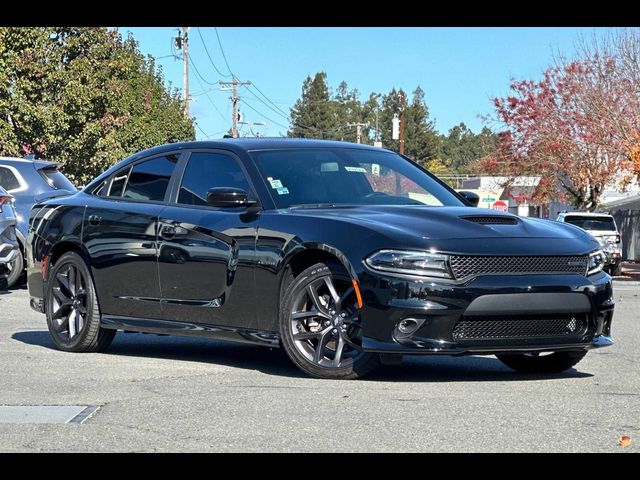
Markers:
556,128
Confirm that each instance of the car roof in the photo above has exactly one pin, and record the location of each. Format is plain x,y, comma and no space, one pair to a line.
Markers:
236,145
262,143
37,164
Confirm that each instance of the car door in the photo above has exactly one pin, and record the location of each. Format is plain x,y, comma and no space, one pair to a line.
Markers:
120,234
206,256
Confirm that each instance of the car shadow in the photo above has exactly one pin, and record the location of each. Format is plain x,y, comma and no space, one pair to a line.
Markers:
274,361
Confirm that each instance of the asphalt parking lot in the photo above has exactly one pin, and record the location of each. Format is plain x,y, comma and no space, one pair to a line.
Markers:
182,394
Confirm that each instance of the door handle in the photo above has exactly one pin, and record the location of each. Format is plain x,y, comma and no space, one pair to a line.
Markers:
168,231
95,219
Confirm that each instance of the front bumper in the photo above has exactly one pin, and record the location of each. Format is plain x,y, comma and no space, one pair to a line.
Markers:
486,315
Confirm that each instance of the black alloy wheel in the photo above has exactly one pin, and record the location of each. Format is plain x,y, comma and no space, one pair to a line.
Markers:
320,325
73,316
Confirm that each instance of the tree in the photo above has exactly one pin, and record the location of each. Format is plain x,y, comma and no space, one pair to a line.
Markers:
551,129
83,97
313,115
421,140
460,149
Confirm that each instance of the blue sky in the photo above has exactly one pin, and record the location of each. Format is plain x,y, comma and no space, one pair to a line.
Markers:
460,69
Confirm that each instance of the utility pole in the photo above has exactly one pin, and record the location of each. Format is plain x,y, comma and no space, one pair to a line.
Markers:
234,102
401,95
398,181
358,130
182,43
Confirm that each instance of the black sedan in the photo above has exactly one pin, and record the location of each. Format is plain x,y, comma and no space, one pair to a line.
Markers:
344,255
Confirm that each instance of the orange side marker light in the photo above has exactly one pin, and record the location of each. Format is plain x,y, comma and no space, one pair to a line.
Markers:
357,290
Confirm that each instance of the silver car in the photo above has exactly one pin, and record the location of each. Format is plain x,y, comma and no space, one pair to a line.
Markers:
8,242
603,228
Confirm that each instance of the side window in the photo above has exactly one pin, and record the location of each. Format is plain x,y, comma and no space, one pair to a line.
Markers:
209,170
8,179
118,183
100,190
149,180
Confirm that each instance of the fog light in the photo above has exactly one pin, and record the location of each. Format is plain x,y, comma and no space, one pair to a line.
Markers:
408,326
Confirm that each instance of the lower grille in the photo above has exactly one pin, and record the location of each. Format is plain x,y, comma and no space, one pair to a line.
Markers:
487,328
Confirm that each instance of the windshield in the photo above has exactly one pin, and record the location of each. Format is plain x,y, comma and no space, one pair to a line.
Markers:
56,179
592,223
349,176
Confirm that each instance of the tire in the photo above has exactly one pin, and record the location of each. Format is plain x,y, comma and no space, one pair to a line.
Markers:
554,363
74,302
616,270
324,345
16,269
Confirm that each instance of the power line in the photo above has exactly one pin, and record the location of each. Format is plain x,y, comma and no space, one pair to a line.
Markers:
200,75
264,116
270,101
201,130
208,55
286,117
223,55
207,94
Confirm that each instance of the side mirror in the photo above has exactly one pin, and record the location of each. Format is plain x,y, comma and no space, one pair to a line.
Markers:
472,198
227,197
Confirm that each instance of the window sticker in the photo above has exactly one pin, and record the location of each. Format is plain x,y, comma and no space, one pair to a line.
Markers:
356,169
283,191
375,169
275,183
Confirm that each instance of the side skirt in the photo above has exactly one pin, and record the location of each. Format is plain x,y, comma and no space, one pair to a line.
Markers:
167,327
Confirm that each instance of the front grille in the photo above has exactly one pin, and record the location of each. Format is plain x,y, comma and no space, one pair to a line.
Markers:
487,328
491,220
465,266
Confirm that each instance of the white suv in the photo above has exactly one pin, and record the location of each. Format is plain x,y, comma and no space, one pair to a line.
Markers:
603,227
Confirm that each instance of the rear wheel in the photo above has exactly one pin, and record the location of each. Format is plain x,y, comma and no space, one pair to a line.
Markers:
320,324
615,270
555,362
16,268
73,316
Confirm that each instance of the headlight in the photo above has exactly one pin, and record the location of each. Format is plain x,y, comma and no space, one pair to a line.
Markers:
410,263
596,262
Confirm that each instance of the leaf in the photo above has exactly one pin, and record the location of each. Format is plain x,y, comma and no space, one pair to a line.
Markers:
624,441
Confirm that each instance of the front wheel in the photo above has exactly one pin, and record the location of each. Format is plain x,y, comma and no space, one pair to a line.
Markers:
555,362
73,316
320,325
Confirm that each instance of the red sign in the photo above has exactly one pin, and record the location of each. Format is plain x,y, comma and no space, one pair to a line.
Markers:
500,206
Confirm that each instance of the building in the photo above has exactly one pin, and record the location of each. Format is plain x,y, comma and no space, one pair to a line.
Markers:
626,211
516,198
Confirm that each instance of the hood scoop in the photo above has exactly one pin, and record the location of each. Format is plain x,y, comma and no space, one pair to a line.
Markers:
491,219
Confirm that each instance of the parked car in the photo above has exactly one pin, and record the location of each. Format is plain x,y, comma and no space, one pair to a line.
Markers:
8,242
345,255
29,181
603,228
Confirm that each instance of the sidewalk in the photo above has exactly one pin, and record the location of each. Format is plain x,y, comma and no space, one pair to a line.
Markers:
630,272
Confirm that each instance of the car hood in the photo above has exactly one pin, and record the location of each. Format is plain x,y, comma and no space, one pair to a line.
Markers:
441,223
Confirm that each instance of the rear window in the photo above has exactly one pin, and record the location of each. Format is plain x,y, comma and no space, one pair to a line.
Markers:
592,223
8,179
56,179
